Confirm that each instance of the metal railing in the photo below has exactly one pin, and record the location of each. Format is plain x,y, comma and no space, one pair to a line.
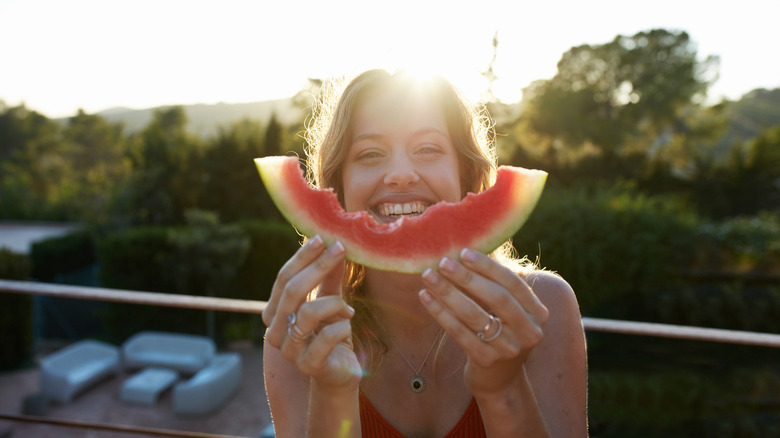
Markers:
256,307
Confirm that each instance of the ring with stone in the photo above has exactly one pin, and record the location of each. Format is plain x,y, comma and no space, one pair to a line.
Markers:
294,332
481,334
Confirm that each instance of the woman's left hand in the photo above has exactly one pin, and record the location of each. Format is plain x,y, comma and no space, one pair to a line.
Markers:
491,312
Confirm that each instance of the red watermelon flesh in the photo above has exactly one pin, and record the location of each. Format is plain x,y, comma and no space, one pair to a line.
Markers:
412,243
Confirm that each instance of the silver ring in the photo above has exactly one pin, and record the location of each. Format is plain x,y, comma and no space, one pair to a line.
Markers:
488,326
294,332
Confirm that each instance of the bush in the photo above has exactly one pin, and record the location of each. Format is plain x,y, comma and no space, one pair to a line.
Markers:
203,258
609,243
741,243
16,312
62,254
131,260
272,244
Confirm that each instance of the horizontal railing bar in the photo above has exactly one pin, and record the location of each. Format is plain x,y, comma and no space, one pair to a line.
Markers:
250,306
681,332
132,297
148,431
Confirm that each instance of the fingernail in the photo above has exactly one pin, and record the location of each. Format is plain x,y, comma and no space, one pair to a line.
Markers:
468,255
425,296
315,241
430,276
350,309
336,249
447,265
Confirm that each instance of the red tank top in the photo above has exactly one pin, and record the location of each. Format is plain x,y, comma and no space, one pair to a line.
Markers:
374,425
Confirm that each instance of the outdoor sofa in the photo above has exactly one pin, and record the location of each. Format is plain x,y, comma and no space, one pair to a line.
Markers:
77,367
181,352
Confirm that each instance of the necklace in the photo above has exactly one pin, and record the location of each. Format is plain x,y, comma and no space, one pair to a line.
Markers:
416,382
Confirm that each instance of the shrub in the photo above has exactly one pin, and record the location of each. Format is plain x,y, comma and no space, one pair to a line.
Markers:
272,244
62,254
131,259
609,243
739,243
16,312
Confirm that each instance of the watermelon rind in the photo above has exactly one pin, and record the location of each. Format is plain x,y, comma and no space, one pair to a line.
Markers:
481,221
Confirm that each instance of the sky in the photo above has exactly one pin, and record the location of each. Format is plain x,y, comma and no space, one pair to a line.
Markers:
59,56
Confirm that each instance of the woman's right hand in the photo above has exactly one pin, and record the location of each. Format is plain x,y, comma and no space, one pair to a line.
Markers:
318,339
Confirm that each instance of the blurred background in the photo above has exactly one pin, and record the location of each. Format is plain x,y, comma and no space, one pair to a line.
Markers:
130,127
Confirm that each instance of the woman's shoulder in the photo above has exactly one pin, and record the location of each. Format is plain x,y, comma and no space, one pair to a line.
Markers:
553,290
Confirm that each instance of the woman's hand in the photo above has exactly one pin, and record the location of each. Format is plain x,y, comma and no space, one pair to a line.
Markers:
313,335
491,312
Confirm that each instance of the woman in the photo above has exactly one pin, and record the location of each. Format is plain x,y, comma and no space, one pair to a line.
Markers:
481,346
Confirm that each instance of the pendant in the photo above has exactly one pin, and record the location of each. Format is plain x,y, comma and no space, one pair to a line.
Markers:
417,383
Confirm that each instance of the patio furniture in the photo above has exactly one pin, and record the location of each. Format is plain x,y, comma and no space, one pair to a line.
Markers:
144,387
184,353
210,388
77,367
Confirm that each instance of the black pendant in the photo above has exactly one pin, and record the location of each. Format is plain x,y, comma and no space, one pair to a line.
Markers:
417,384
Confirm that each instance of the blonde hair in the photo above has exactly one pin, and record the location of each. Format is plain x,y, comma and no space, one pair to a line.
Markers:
328,139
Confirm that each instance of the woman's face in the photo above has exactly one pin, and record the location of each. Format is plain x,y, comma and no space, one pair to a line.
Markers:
401,158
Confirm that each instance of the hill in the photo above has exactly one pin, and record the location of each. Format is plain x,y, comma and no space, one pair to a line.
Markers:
205,119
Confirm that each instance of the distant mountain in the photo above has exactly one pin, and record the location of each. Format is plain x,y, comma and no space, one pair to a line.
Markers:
205,119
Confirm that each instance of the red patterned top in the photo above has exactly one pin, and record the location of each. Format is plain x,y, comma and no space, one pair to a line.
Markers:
373,425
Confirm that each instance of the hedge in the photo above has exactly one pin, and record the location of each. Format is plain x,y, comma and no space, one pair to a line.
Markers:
16,312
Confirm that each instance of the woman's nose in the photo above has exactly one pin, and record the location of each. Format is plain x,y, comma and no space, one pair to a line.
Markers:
401,174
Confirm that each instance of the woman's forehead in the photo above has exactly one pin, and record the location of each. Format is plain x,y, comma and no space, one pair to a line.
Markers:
388,108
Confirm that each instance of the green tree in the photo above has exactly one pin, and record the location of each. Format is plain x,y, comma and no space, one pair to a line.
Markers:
232,186
615,99
34,172
96,153
166,176
273,136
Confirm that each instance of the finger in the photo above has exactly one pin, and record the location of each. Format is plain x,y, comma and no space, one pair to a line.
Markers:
333,282
303,256
325,310
485,290
314,359
511,281
471,314
298,288
310,316
478,350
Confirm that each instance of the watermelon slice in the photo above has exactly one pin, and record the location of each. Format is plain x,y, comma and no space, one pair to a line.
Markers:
412,243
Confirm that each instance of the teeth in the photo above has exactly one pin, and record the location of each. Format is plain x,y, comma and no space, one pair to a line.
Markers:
388,209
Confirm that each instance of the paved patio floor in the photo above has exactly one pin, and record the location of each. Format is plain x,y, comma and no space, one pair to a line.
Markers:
246,414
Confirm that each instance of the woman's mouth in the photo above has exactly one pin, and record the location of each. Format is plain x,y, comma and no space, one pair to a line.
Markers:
390,211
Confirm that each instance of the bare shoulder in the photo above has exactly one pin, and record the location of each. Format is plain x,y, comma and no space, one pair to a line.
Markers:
553,291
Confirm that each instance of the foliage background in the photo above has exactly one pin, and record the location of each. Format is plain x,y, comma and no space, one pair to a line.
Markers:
658,208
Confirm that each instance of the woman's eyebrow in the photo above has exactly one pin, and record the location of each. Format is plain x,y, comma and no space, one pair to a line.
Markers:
417,133
367,136
424,131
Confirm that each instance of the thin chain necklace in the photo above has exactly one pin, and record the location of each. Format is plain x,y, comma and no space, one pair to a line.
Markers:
416,382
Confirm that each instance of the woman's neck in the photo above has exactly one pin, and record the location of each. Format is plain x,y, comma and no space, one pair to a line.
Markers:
398,306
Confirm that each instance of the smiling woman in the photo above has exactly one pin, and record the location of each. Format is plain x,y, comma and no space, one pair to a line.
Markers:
476,345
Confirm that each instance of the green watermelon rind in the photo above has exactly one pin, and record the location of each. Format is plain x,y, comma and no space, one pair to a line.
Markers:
283,178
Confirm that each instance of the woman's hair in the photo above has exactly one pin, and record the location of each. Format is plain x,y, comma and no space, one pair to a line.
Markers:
329,138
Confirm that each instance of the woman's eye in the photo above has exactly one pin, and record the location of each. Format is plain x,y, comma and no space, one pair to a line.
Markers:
369,154
429,149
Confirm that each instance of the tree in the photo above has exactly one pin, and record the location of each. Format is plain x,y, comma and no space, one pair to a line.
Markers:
34,173
232,186
273,136
96,152
616,98
166,177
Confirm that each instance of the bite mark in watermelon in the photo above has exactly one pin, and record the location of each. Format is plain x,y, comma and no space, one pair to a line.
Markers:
412,243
